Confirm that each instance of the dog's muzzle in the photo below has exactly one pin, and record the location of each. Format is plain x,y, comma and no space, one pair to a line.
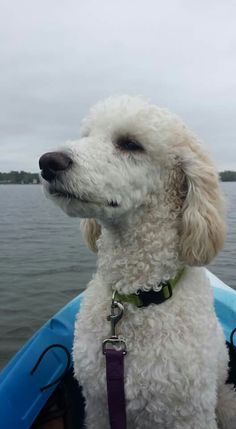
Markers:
53,163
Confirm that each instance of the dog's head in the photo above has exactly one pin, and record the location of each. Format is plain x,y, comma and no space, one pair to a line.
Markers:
130,151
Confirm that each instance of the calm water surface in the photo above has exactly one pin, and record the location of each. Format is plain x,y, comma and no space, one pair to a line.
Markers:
44,262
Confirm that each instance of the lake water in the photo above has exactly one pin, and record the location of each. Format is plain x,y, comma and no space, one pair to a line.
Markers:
44,262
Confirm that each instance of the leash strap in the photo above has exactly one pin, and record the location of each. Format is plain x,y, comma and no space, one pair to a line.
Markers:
115,369
115,388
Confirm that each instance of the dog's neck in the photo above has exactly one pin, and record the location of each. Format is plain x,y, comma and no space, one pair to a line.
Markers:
140,252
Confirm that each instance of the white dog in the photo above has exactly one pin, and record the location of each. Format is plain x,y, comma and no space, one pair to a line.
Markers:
152,205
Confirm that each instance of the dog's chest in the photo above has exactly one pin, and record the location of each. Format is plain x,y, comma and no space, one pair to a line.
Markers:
159,349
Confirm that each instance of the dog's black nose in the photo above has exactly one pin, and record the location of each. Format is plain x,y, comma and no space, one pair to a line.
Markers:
52,162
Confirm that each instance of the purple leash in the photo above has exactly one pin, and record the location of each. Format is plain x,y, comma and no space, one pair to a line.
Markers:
115,388
115,370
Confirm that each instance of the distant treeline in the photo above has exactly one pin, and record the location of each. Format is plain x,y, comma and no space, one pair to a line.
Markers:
19,177
23,177
228,176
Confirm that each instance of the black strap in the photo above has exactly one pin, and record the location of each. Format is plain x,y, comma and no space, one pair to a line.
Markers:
40,359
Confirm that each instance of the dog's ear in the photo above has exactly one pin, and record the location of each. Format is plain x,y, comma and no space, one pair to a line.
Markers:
202,229
91,231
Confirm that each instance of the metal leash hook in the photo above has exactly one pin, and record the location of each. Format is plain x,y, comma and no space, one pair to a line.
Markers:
117,310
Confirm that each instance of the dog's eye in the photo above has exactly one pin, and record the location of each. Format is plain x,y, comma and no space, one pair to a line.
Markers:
128,143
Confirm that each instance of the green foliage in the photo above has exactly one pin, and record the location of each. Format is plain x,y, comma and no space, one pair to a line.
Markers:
228,176
19,177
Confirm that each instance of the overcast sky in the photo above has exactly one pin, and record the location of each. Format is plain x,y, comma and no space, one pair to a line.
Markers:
58,57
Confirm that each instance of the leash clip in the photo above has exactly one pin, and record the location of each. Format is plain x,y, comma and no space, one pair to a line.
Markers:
117,310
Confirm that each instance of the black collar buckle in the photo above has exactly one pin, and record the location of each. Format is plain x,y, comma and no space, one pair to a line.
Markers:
155,297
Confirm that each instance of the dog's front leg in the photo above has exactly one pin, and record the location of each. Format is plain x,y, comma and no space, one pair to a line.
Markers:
198,423
96,415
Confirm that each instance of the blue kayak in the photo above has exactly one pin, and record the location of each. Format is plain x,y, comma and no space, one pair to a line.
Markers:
29,396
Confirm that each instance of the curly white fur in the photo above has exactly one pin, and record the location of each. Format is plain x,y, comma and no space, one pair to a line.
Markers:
148,213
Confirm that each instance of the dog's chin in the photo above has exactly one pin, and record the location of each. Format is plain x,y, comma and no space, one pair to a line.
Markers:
79,205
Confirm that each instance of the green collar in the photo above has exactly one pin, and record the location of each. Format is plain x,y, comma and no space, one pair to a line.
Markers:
145,298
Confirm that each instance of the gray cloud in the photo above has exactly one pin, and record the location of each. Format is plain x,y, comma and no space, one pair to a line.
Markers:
59,57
